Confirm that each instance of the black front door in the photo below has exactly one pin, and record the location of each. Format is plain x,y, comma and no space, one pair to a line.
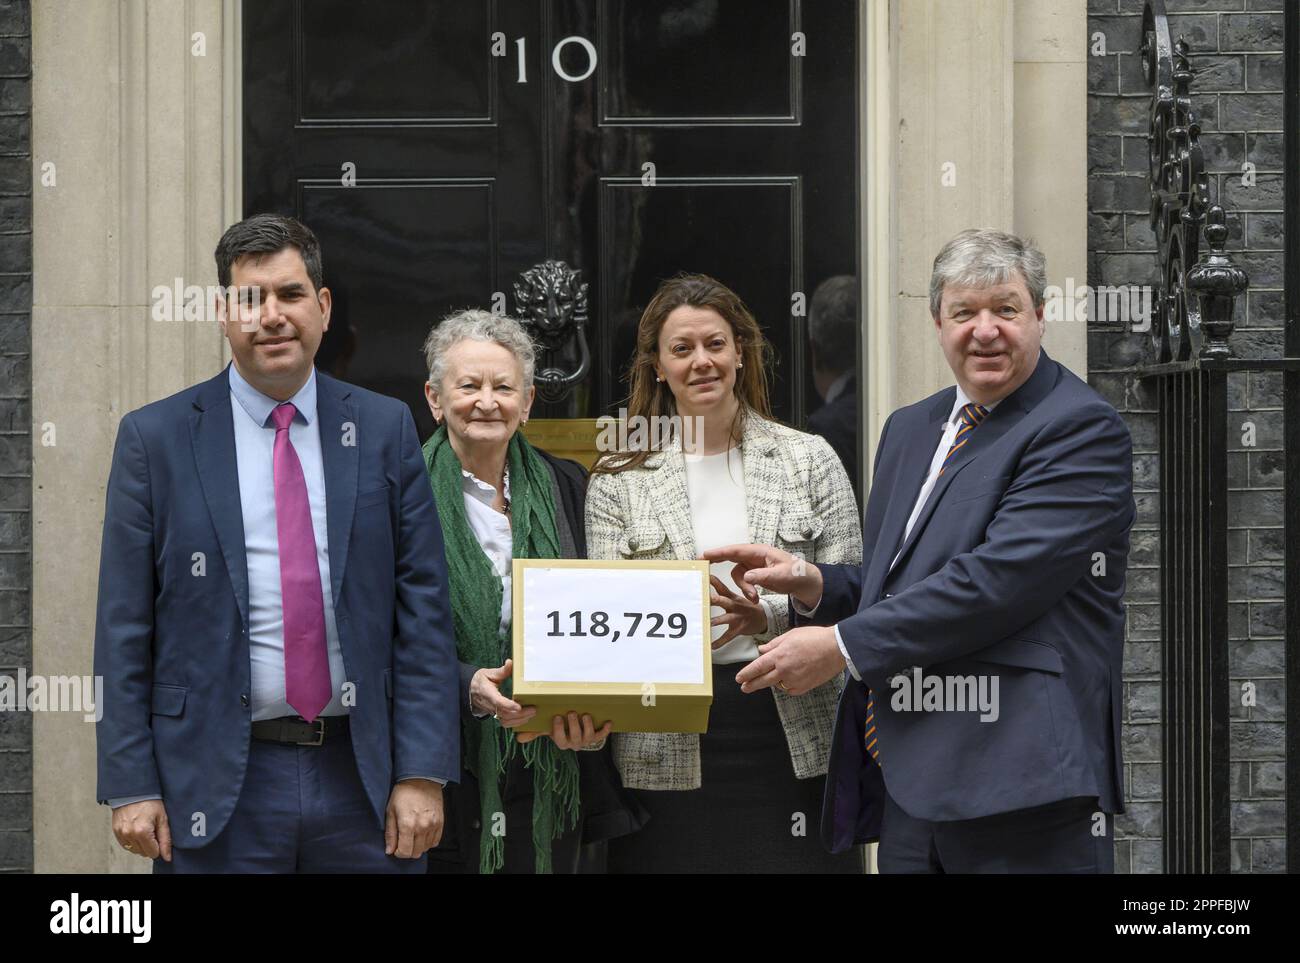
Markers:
439,148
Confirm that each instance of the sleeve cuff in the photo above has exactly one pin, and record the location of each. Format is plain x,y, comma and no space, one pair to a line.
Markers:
853,670
440,782
808,613
127,800
476,713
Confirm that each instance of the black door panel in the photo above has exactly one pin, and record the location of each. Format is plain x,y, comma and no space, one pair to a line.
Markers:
461,176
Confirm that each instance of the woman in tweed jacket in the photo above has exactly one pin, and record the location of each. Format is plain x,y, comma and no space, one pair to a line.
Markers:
746,795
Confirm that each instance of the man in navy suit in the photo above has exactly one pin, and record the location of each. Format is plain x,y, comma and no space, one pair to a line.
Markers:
273,629
983,633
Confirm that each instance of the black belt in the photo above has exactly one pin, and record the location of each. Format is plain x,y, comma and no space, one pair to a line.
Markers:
299,732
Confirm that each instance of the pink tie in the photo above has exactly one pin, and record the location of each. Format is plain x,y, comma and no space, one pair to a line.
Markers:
306,662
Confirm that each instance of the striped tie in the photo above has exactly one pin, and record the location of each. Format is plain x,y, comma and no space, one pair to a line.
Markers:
871,739
971,416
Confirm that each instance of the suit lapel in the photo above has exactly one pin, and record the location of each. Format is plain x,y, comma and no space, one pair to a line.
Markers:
764,482
916,456
336,414
999,421
212,436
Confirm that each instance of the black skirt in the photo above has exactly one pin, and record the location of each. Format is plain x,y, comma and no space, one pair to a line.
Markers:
606,810
751,815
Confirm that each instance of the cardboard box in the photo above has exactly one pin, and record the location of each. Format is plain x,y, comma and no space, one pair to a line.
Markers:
646,667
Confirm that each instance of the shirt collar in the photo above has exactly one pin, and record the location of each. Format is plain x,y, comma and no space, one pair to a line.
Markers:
471,484
259,406
961,402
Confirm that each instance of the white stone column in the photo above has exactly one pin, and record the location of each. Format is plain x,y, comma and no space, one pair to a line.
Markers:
134,111
986,127
955,159
1051,155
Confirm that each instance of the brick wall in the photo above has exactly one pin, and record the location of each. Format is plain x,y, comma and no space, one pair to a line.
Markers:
15,424
1236,50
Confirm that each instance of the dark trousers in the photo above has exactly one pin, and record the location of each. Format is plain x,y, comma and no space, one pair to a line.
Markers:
749,816
1061,837
302,810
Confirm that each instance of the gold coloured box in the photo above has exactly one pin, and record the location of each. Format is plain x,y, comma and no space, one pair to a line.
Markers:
650,705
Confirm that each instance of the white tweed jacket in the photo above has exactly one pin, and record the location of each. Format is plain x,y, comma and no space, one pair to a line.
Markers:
797,497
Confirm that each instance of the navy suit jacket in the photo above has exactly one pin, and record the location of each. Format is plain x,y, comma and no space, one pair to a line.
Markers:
1015,569
172,646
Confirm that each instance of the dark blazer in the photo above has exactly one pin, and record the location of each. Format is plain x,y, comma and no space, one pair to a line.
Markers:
173,647
1015,569
606,809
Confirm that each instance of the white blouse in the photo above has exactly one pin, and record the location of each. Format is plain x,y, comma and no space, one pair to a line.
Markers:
492,529
715,485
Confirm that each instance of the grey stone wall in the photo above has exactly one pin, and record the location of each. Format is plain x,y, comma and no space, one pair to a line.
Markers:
1236,50
15,424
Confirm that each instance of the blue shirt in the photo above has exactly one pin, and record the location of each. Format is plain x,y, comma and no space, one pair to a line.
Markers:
254,455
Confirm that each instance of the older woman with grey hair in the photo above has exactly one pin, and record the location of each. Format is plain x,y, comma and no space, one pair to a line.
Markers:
499,498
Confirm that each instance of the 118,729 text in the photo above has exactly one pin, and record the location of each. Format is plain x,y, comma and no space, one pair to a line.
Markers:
598,625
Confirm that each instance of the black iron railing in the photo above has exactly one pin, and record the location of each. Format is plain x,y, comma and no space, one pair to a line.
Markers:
1191,328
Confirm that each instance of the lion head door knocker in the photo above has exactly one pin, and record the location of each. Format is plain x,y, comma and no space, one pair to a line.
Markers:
551,301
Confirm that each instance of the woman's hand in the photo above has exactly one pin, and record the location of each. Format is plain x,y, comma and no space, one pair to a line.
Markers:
485,696
743,616
569,732
774,569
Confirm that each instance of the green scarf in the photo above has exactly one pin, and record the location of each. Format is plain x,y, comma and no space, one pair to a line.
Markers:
476,614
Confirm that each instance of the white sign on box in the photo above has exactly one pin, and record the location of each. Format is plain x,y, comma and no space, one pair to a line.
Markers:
609,625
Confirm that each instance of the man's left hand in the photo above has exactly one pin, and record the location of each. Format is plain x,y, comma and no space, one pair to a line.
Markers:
413,823
796,662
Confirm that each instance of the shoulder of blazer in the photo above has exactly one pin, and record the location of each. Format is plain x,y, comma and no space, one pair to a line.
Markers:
1073,402
355,394
1076,393
800,446
206,394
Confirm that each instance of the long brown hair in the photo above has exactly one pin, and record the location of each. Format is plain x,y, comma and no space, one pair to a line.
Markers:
650,398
